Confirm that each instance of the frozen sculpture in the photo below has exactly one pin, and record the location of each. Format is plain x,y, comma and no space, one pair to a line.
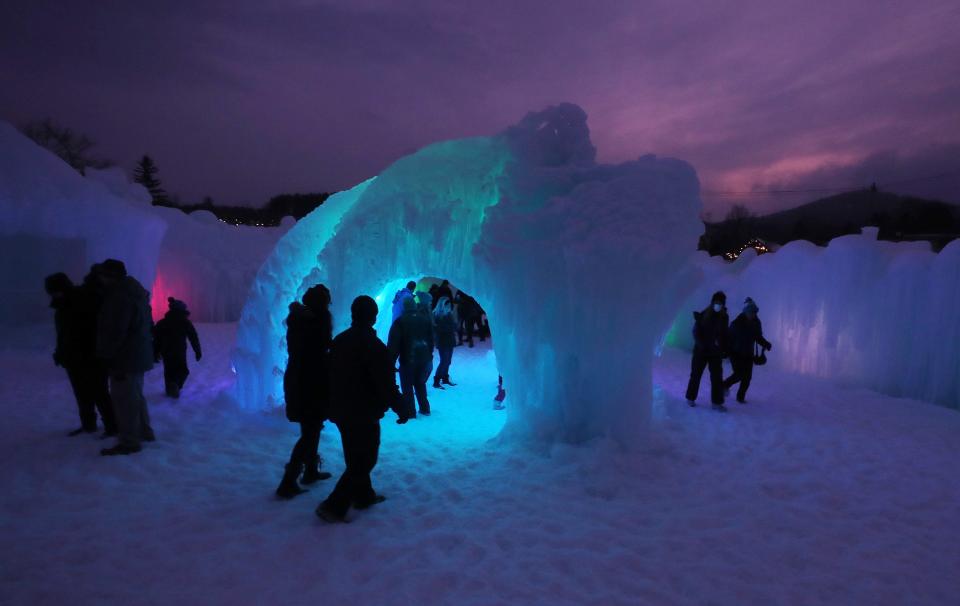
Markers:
580,267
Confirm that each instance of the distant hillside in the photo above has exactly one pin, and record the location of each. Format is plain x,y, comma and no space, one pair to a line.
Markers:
898,217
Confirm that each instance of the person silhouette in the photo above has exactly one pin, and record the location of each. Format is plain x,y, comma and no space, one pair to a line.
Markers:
710,343
746,332
362,388
306,386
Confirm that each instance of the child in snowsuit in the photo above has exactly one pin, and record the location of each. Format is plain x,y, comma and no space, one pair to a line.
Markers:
170,336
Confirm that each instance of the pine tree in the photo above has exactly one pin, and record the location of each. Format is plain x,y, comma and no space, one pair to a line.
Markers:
145,174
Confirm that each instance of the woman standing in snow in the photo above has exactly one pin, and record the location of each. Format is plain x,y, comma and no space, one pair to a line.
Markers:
306,386
745,333
445,327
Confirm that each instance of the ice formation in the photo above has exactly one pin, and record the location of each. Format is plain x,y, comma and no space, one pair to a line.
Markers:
875,314
580,266
210,264
53,219
203,261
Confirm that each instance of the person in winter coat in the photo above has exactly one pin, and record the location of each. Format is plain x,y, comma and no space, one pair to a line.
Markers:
469,313
445,329
170,336
75,318
125,344
411,342
362,389
425,309
746,332
306,386
710,346
402,295
442,291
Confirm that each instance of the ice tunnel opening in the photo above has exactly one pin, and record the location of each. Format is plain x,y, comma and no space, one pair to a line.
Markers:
468,412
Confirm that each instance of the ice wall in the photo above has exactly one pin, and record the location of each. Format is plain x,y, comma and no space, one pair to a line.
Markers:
203,261
881,315
210,264
54,219
528,223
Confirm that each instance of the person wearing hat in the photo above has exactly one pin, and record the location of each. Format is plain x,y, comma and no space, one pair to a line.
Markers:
746,332
445,329
710,344
402,295
306,386
75,318
362,389
125,344
170,336
411,342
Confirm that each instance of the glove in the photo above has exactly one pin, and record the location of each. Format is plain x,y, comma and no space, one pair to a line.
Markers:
769,346
56,359
199,355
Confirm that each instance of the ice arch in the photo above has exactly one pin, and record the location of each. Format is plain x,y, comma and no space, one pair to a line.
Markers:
580,266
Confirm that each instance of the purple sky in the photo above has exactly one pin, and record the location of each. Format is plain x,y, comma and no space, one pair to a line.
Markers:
242,99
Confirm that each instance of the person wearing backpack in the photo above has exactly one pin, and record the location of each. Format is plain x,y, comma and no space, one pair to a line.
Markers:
411,342
746,332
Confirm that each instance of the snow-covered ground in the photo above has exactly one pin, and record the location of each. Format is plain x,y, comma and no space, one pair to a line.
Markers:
809,494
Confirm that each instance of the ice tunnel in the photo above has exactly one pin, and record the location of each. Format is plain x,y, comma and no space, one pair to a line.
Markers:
580,266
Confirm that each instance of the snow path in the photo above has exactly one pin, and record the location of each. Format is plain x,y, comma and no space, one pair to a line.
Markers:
810,494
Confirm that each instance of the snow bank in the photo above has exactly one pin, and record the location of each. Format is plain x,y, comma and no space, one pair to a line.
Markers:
881,315
529,224
53,219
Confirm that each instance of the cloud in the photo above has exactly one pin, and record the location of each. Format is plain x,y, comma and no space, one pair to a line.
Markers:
243,99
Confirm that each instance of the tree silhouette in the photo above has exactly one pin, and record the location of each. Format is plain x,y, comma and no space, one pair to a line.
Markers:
146,175
73,148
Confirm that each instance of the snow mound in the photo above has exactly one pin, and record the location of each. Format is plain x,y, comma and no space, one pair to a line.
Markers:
540,234
53,219
874,314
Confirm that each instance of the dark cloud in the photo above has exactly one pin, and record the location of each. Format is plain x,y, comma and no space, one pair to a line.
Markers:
244,99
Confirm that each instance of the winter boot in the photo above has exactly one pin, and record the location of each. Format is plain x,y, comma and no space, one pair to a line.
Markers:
312,473
436,383
119,449
447,381
367,504
288,487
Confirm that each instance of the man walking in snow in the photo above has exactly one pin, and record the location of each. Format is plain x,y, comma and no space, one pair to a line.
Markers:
411,342
170,337
362,387
710,345
75,319
125,344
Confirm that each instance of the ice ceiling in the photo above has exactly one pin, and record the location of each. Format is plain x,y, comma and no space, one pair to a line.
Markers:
580,267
